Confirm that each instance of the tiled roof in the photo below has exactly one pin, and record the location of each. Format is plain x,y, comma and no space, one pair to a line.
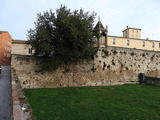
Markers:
19,41
99,27
2,32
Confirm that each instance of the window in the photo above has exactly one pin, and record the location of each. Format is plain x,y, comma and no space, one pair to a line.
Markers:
137,36
143,44
132,36
128,42
94,39
137,31
102,40
159,44
113,40
30,50
153,44
132,30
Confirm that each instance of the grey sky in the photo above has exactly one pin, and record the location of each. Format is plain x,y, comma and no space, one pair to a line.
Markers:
18,16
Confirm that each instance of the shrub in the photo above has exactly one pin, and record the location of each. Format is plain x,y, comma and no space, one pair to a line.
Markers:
132,53
143,55
152,58
126,68
66,70
104,65
105,52
93,69
113,62
114,52
108,67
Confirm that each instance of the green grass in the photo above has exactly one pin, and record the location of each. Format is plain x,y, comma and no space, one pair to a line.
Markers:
126,102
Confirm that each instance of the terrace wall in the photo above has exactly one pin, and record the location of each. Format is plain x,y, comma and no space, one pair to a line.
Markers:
111,66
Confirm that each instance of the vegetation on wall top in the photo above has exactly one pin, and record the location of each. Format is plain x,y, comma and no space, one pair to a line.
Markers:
63,37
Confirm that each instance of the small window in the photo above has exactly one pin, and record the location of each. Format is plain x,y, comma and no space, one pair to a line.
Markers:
101,40
94,39
128,42
159,44
113,40
30,50
143,44
137,36
132,36
132,30
137,31
153,44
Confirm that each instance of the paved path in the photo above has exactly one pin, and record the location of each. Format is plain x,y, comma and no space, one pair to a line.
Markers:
5,109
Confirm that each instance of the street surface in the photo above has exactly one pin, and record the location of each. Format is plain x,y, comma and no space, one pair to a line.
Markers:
5,93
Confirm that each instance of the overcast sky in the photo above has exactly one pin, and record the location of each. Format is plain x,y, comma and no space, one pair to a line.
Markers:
18,16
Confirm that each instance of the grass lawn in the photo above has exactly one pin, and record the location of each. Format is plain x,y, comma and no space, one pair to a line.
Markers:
125,102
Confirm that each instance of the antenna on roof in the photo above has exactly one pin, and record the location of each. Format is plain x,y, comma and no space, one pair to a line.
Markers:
98,18
107,27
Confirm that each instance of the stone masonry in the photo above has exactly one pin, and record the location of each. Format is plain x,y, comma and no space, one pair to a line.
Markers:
111,66
20,108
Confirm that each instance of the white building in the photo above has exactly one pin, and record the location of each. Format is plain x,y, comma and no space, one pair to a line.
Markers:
21,47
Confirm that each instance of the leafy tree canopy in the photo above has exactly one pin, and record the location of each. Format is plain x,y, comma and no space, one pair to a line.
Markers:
63,37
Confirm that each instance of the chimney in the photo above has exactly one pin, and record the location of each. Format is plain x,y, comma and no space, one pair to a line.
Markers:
127,27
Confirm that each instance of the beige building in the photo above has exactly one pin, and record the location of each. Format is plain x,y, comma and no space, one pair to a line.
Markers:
20,47
131,39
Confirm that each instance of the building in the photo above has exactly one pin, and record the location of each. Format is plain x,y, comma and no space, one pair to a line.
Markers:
131,39
5,47
21,47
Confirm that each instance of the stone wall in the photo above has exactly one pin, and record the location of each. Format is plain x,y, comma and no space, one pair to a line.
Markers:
21,110
111,66
128,62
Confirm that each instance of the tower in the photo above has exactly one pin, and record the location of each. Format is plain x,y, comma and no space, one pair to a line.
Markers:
132,33
101,34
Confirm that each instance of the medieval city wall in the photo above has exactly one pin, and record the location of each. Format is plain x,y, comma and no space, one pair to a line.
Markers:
111,66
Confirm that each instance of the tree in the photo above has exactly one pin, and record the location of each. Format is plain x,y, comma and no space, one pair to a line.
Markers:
63,37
